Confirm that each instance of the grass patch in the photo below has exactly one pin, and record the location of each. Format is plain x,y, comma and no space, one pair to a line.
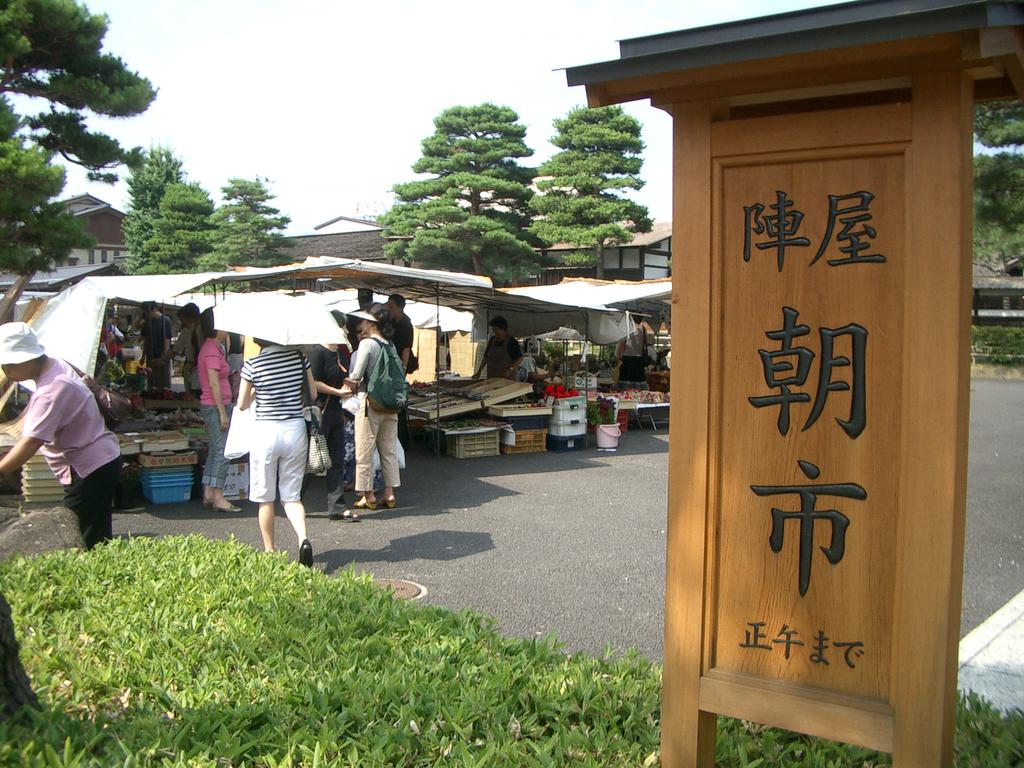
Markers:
189,652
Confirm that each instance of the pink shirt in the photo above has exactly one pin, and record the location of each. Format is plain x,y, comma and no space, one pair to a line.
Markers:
63,414
211,358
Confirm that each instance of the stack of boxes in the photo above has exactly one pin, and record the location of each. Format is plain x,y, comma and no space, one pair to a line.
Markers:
567,428
167,477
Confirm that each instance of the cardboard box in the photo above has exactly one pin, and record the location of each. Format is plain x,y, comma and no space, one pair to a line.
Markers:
236,484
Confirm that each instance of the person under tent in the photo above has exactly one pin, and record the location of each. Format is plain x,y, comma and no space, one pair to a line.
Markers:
502,355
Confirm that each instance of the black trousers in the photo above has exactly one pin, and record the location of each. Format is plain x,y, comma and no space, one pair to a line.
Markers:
334,431
91,498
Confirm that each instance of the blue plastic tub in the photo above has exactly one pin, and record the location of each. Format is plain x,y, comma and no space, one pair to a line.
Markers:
167,494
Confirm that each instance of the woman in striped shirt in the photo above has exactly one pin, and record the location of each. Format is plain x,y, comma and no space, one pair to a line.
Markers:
274,380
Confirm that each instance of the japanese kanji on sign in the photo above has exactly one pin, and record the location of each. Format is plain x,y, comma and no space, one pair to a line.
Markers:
817,460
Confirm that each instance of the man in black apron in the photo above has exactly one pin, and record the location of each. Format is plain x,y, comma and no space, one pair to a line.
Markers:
502,354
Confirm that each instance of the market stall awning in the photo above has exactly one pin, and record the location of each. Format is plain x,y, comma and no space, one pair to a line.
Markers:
649,297
422,314
463,292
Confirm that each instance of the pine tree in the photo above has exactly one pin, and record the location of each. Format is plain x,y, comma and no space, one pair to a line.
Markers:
182,233
472,214
147,183
247,228
999,184
52,51
578,201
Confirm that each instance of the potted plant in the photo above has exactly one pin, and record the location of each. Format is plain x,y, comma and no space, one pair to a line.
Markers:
601,411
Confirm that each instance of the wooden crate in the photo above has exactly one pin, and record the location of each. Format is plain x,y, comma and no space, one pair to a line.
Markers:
518,409
527,441
473,444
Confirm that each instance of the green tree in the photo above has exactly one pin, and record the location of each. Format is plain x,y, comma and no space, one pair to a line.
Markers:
34,231
999,184
183,231
580,200
247,227
147,182
473,213
51,53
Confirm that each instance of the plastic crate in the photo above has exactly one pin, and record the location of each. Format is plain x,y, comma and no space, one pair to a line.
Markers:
169,494
572,428
167,477
473,445
565,404
563,444
527,441
528,423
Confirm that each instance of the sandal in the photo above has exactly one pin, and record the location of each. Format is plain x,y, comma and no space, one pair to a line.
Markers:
348,516
391,503
364,504
229,508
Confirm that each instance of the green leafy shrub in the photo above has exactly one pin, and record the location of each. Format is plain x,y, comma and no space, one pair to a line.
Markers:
189,652
998,345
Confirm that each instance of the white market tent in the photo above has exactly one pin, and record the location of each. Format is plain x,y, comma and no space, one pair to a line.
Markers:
69,325
648,297
422,314
527,315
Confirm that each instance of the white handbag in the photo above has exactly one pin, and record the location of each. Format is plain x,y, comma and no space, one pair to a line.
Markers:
236,445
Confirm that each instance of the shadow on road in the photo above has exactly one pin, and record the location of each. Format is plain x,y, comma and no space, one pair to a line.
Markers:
429,545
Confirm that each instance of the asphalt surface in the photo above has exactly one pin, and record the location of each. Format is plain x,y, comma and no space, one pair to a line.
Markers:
574,543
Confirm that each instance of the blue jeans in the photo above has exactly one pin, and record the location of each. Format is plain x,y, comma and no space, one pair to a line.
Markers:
216,468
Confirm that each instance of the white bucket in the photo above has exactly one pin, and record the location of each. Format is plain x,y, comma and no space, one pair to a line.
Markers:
608,435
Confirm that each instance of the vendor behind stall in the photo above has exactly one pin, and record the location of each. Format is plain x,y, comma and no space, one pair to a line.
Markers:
502,355
187,345
63,422
633,353
156,335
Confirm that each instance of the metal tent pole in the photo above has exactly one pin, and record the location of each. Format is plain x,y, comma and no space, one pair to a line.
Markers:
437,370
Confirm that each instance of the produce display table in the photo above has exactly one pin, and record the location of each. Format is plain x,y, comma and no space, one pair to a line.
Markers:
475,396
653,412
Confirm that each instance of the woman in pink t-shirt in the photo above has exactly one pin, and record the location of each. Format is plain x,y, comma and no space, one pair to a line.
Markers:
63,423
215,405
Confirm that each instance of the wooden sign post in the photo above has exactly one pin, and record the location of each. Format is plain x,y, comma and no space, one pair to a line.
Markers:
821,338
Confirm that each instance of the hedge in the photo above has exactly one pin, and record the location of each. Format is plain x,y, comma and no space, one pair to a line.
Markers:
189,652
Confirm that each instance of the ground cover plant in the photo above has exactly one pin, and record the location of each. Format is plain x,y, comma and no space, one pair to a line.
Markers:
188,652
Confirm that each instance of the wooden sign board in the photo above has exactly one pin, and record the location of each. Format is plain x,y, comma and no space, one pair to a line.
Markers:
821,337
828,509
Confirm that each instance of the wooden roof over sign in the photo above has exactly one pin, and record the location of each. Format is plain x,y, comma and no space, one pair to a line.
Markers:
885,39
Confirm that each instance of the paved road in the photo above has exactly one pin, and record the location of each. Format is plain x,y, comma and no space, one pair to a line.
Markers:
574,543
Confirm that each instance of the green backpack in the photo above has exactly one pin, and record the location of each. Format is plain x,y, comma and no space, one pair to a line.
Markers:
387,390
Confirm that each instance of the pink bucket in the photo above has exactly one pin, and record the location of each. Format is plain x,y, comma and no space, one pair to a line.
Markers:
608,435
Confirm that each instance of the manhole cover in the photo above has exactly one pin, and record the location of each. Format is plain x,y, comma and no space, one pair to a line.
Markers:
400,588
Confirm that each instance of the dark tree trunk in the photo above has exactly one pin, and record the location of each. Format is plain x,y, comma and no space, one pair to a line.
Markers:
11,297
15,688
599,271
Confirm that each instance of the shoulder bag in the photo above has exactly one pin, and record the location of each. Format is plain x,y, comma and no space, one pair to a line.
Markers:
114,407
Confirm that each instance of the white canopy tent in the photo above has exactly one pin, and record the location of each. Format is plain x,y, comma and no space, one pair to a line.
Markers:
69,325
648,297
527,315
421,313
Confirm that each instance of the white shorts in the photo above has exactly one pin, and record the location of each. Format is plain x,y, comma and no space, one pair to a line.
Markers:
277,460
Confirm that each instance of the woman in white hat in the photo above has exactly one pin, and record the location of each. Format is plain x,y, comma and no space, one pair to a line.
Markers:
63,422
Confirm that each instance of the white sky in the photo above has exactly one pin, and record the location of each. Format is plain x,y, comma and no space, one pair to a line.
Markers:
330,100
